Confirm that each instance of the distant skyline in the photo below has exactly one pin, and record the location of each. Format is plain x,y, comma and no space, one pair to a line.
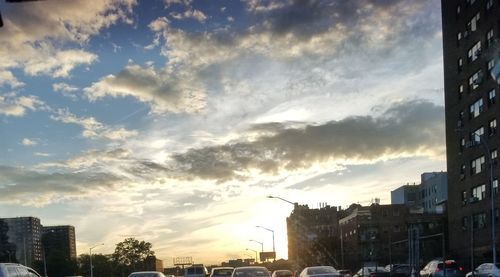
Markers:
172,120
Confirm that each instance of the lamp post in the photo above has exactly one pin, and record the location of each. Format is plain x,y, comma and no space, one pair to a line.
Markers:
90,252
255,251
272,231
261,244
282,199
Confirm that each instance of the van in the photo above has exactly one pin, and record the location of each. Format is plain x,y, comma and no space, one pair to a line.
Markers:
196,271
16,270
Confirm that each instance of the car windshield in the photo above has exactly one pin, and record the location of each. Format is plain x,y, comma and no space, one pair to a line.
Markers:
223,272
320,270
251,272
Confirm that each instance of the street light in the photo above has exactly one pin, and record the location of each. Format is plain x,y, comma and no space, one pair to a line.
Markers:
272,231
490,163
90,252
261,244
248,249
282,199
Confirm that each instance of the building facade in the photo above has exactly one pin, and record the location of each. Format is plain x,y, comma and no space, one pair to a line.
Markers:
26,234
313,236
407,194
471,31
433,191
59,241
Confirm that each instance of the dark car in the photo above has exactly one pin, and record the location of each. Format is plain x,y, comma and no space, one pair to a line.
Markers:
319,271
282,273
251,271
437,268
399,270
372,271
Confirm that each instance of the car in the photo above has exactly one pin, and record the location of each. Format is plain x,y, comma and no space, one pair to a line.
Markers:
16,270
436,268
345,272
322,271
146,274
399,270
483,270
282,273
372,271
196,271
222,272
251,271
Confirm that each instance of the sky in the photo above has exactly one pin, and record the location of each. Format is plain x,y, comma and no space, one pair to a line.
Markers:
172,120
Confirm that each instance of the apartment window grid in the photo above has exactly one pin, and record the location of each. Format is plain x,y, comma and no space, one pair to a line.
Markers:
475,80
479,192
492,94
492,129
477,165
473,23
490,37
476,108
477,135
474,52
479,220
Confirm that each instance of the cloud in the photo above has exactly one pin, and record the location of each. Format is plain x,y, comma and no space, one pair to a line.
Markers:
42,154
413,128
7,78
190,14
66,90
13,105
46,37
28,142
164,91
27,187
93,128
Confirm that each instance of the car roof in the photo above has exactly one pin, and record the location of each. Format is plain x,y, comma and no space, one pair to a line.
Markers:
251,267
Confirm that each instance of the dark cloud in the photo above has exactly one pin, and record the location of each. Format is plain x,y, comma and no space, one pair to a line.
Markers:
408,128
35,188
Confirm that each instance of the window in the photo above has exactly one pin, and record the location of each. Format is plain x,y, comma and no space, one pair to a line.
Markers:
477,165
489,4
460,64
460,122
492,129
474,52
462,172
489,38
465,222
492,97
477,135
475,80
464,197
476,109
490,65
479,192
459,38
479,220
470,2
472,25
459,9
494,155
495,185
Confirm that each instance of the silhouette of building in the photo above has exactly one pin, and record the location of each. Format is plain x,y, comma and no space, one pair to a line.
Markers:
26,234
59,241
471,31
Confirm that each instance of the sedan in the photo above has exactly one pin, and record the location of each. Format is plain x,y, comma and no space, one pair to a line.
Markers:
319,271
483,270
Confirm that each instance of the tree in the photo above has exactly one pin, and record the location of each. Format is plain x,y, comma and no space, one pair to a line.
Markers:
130,255
102,264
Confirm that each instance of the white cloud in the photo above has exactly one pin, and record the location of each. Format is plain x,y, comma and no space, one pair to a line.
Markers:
190,14
93,128
7,78
13,105
42,154
65,89
28,142
163,90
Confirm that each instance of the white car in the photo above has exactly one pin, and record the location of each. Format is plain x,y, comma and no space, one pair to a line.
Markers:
222,272
16,270
251,271
320,271
146,274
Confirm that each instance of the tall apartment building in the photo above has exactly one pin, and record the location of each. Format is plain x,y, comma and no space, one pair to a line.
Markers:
313,236
471,31
26,234
59,241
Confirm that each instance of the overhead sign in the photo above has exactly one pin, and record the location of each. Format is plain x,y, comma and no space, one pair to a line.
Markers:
264,256
183,261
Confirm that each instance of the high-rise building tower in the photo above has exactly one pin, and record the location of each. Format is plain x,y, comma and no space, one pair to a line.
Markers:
471,31
59,241
26,234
